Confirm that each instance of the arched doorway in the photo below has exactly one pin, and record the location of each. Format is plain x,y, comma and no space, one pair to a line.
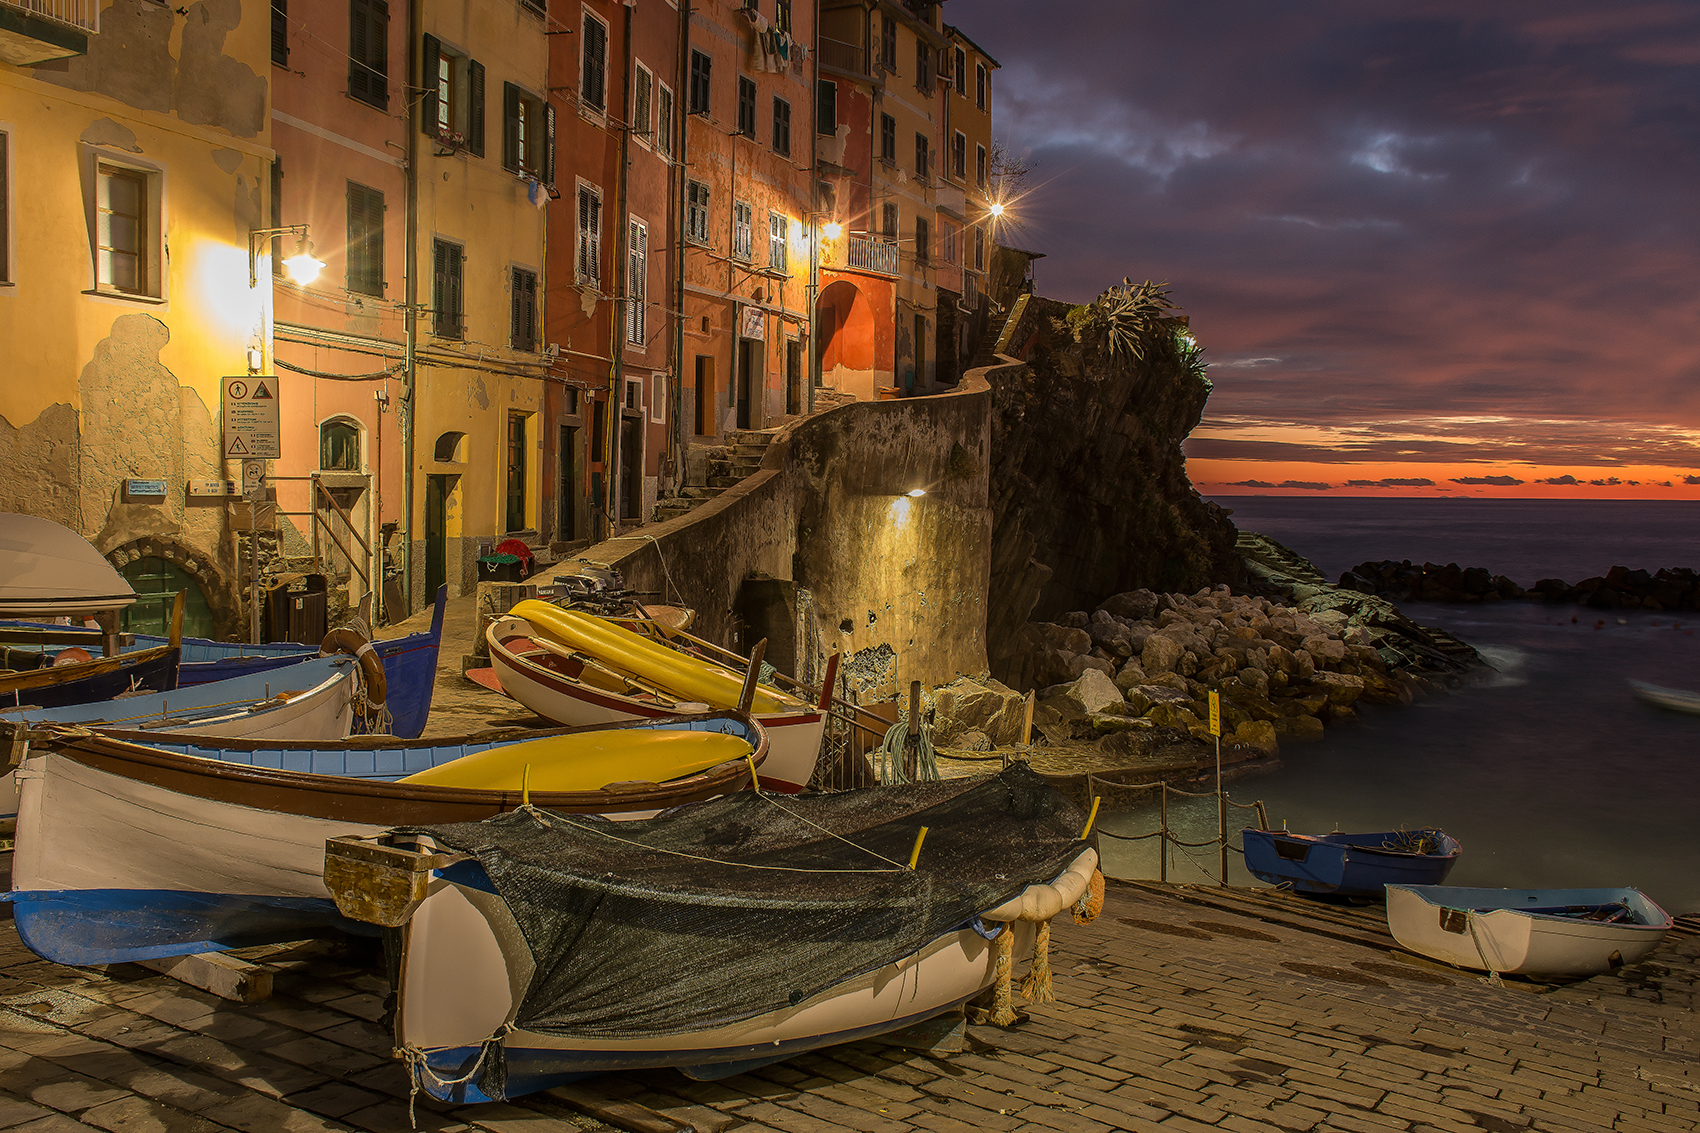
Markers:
156,583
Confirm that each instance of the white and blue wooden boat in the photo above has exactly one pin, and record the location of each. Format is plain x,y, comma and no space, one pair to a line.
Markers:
132,845
410,662
1540,933
1674,699
1349,865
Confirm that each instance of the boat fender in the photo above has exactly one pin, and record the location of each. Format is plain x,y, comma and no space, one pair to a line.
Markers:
371,665
1042,902
1091,902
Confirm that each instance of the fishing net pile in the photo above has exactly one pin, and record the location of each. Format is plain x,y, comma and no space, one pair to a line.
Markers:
728,909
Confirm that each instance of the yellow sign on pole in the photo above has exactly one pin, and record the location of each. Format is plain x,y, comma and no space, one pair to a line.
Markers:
1215,713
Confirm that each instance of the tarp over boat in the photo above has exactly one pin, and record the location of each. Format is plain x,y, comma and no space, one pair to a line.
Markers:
748,904
48,570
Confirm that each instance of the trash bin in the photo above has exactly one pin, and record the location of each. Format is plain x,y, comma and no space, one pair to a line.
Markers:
297,608
500,568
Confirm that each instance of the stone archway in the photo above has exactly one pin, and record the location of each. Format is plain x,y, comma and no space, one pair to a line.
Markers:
215,586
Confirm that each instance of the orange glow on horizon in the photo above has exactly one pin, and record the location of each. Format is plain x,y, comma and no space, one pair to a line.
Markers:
1215,477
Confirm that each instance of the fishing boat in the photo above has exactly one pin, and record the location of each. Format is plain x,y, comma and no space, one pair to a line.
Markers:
575,668
1349,865
410,662
1540,933
715,938
1675,699
133,845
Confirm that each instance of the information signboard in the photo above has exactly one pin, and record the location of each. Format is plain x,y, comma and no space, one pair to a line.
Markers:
251,429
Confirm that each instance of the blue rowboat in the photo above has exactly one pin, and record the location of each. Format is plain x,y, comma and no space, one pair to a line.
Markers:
410,665
1540,933
1349,865
133,846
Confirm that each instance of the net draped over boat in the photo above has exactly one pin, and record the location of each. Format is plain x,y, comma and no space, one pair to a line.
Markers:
727,909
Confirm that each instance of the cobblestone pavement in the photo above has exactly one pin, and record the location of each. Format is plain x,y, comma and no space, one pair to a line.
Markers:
1178,1010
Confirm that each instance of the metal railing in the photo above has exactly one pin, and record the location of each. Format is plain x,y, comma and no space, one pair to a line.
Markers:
325,508
1094,784
841,56
84,15
868,253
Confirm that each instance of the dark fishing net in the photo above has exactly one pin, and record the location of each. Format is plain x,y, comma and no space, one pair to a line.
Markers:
731,908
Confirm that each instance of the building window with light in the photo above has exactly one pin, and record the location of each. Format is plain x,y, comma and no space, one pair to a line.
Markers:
365,240
339,446
452,111
696,212
528,134
446,298
743,239
781,127
777,229
126,230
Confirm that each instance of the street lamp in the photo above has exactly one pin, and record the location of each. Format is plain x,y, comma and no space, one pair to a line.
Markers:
832,230
303,266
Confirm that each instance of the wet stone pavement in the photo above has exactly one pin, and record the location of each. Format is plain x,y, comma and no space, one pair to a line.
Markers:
1180,1009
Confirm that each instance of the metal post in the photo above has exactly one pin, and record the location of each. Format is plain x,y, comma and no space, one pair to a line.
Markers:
1163,840
1221,811
912,742
254,566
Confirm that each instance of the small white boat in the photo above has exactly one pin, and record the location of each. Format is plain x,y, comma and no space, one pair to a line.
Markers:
1675,699
1542,933
537,952
610,674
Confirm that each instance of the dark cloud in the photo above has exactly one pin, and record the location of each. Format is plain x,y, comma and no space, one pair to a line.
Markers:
1609,482
1251,484
1307,485
1393,482
1566,479
1396,214
1500,481
1691,479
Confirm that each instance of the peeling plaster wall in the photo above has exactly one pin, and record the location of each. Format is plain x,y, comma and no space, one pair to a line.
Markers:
827,512
38,466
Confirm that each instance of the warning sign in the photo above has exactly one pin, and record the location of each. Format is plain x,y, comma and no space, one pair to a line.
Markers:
250,419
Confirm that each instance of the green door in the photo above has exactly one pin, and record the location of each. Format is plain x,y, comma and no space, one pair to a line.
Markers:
156,583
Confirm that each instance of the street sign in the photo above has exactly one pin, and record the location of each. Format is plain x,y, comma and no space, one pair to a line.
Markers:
251,429
136,489
754,323
212,487
1215,714
254,479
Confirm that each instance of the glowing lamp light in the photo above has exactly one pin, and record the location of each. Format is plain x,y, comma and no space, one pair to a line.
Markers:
832,230
916,493
996,210
303,266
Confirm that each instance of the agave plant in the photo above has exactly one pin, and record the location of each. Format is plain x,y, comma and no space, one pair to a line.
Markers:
1135,314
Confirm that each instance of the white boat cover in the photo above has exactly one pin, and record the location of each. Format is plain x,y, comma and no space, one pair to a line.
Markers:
49,571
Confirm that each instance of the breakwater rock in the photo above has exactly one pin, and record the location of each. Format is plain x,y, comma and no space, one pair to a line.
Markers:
1618,589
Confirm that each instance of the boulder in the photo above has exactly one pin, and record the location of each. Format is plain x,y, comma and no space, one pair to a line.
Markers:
1131,674
966,705
1258,735
1079,665
973,741
1142,698
1052,666
1254,679
1325,649
1161,654
1134,605
1067,638
1093,692
1104,723
1340,688
1305,729
1173,716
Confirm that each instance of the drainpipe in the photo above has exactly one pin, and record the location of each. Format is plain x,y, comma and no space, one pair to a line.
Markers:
677,435
815,203
410,312
617,339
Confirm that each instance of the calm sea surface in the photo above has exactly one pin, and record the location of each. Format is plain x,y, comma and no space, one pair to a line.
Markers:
1550,773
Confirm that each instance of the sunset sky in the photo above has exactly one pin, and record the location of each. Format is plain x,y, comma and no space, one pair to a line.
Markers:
1430,247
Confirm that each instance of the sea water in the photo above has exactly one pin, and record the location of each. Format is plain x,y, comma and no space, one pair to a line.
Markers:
1548,771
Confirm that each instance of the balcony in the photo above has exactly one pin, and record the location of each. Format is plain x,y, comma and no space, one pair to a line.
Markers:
849,58
34,31
870,253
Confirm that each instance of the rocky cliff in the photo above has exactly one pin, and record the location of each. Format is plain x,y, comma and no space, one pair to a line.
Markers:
1088,484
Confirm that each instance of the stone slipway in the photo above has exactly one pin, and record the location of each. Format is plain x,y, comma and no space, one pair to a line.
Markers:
1180,1010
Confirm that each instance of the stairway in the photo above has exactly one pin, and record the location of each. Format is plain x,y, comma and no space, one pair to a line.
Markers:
987,354
742,457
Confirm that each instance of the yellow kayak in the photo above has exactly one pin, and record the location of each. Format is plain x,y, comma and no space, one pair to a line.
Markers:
690,678
588,761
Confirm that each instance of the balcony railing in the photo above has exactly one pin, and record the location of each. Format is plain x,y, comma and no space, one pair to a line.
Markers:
971,290
841,56
84,15
868,253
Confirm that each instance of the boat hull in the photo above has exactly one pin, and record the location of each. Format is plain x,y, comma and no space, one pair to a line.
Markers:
1344,865
795,737
128,852
1490,930
1672,699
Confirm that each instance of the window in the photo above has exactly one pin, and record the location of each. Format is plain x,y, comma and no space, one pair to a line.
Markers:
980,166
781,127
888,218
277,209
368,52
888,138
696,212
664,123
589,269
921,155
593,71
522,310
980,83
959,156
923,241
960,72
637,282
280,32
826,107
746,107
947,242
452,111
743,219
447,450
365,257
446,300
528,134
923,66
888,43
339,446
701,66
516,472
125,233
979,248
782,15
643,103
777,227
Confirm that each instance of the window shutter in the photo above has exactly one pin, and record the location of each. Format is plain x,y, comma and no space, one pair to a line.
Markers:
475,108
280,32
510,127
368,46
584,233
428,109
593,89
596,240
549,145
455,307
358,29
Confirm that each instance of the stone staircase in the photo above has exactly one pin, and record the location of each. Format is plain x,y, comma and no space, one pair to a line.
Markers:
986,355
727,465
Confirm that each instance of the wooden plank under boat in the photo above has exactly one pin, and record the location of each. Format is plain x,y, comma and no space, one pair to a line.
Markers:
132,845
1349,865
572,687
1540,933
